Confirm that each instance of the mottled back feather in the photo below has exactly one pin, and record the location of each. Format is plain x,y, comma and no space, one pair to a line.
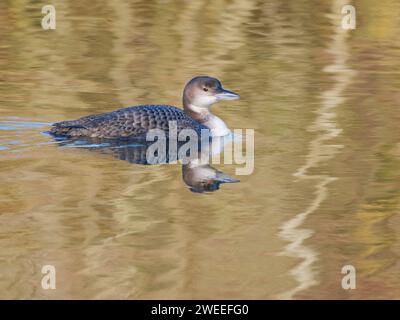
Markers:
131,122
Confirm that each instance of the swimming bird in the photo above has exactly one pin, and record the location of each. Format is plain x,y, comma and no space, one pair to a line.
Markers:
199,95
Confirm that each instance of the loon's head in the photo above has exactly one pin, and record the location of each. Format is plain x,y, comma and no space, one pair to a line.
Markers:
202,92
203,177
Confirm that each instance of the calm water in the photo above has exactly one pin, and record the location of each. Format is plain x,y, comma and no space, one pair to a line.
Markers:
325,191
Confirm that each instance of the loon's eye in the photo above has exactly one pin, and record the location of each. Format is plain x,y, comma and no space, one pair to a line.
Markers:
205,89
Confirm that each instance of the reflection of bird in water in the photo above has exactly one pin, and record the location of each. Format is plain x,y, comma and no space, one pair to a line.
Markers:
196,172
204,178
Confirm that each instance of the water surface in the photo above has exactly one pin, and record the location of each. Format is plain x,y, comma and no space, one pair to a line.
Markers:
325,191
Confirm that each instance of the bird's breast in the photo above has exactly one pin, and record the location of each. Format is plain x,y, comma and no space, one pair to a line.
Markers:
217,126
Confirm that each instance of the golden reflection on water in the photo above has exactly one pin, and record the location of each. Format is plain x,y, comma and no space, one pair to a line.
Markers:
323,103
325,129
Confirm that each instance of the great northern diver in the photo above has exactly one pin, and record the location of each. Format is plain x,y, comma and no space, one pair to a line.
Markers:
134,122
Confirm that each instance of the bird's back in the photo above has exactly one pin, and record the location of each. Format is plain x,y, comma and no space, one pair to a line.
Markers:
131,122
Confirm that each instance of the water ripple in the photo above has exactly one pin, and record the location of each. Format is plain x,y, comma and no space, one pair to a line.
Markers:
325,128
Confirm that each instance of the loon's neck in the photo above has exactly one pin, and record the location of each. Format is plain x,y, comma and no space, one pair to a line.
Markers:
203,115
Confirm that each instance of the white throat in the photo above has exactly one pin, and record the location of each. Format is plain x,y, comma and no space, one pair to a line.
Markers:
217,126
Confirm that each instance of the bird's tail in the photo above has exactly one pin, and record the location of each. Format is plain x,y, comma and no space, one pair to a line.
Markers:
67,128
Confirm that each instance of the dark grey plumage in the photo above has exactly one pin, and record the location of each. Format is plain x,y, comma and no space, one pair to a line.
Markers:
135,122
131,122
